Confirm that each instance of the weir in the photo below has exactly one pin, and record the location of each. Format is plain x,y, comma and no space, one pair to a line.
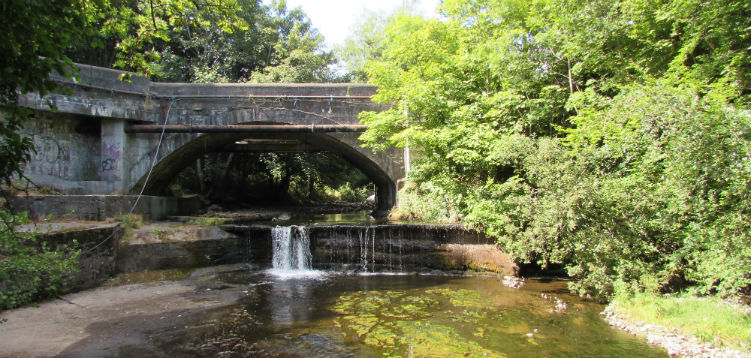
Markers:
244,308
371,248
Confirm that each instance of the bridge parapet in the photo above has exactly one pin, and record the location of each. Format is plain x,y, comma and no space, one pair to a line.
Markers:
100,92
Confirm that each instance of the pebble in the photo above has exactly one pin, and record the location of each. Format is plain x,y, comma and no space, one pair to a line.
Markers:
675,344
560,305
512,281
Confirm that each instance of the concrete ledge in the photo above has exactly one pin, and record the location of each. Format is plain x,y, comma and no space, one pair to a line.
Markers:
95,207
187,254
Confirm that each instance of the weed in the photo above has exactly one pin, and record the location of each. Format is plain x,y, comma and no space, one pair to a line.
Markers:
708,318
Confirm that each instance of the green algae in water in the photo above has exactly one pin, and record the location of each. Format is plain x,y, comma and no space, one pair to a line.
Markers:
398,323
462,297
454,321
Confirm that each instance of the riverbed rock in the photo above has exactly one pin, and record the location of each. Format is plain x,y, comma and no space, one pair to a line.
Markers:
476,257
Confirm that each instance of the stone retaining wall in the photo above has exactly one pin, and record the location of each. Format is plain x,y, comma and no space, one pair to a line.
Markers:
99,252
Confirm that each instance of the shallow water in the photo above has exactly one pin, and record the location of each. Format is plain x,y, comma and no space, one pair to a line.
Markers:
398,316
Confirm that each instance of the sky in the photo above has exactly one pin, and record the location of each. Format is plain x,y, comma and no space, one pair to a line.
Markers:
335,19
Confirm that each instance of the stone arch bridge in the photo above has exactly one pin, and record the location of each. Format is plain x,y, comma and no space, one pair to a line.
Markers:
104,133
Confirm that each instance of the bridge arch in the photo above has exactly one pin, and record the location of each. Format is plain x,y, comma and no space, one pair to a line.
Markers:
171,164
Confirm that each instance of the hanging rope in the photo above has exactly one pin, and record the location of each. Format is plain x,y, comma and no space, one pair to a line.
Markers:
146,181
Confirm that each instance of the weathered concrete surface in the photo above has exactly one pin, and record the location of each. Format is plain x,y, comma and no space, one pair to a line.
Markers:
111,321
103,159
390,248
96,207
476,257
164,246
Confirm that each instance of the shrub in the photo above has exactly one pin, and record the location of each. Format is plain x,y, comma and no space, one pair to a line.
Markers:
29,270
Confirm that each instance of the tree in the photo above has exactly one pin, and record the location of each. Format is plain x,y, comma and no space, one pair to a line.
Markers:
298,54
206,41
35,38
598,135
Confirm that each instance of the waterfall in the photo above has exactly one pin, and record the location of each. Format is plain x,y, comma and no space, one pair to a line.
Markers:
291,250
367,246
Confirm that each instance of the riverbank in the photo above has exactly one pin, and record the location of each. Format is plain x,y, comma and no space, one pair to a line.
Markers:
689,327
113,320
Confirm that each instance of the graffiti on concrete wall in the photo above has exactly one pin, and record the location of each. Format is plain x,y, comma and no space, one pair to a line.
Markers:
51,156
60,151
110,157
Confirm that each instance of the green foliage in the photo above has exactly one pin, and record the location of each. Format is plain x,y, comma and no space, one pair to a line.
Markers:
710,319
675,189
35,38
424,202
30,270
347,192
298,53
15,150
205,41
131,221
611,137
366,43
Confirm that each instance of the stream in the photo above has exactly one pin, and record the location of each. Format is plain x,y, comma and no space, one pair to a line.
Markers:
370,290
292,310
388,315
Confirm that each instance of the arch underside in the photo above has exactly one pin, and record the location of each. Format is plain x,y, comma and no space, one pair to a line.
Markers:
169,166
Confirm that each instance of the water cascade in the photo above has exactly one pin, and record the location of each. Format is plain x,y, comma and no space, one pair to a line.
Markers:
290,249
370,248
367,243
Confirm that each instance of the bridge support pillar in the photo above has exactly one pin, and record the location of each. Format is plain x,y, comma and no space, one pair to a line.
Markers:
113,149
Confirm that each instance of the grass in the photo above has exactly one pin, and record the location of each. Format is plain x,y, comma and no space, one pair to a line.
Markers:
129,222
207,221
707,318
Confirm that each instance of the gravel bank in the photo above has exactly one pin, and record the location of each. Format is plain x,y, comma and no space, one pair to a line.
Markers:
676,344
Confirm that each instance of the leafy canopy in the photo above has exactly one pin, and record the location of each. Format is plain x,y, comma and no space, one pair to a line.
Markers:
611,137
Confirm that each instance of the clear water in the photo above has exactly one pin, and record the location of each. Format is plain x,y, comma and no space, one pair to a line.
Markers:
293,311
398,316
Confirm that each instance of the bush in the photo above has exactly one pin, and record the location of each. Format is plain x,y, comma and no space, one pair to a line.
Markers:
424,202
650,193
30,271
672,200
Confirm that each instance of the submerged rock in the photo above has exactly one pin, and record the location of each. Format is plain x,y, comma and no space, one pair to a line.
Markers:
512,281
282,217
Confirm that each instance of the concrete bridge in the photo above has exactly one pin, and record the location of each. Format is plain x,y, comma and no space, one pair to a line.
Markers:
105,133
